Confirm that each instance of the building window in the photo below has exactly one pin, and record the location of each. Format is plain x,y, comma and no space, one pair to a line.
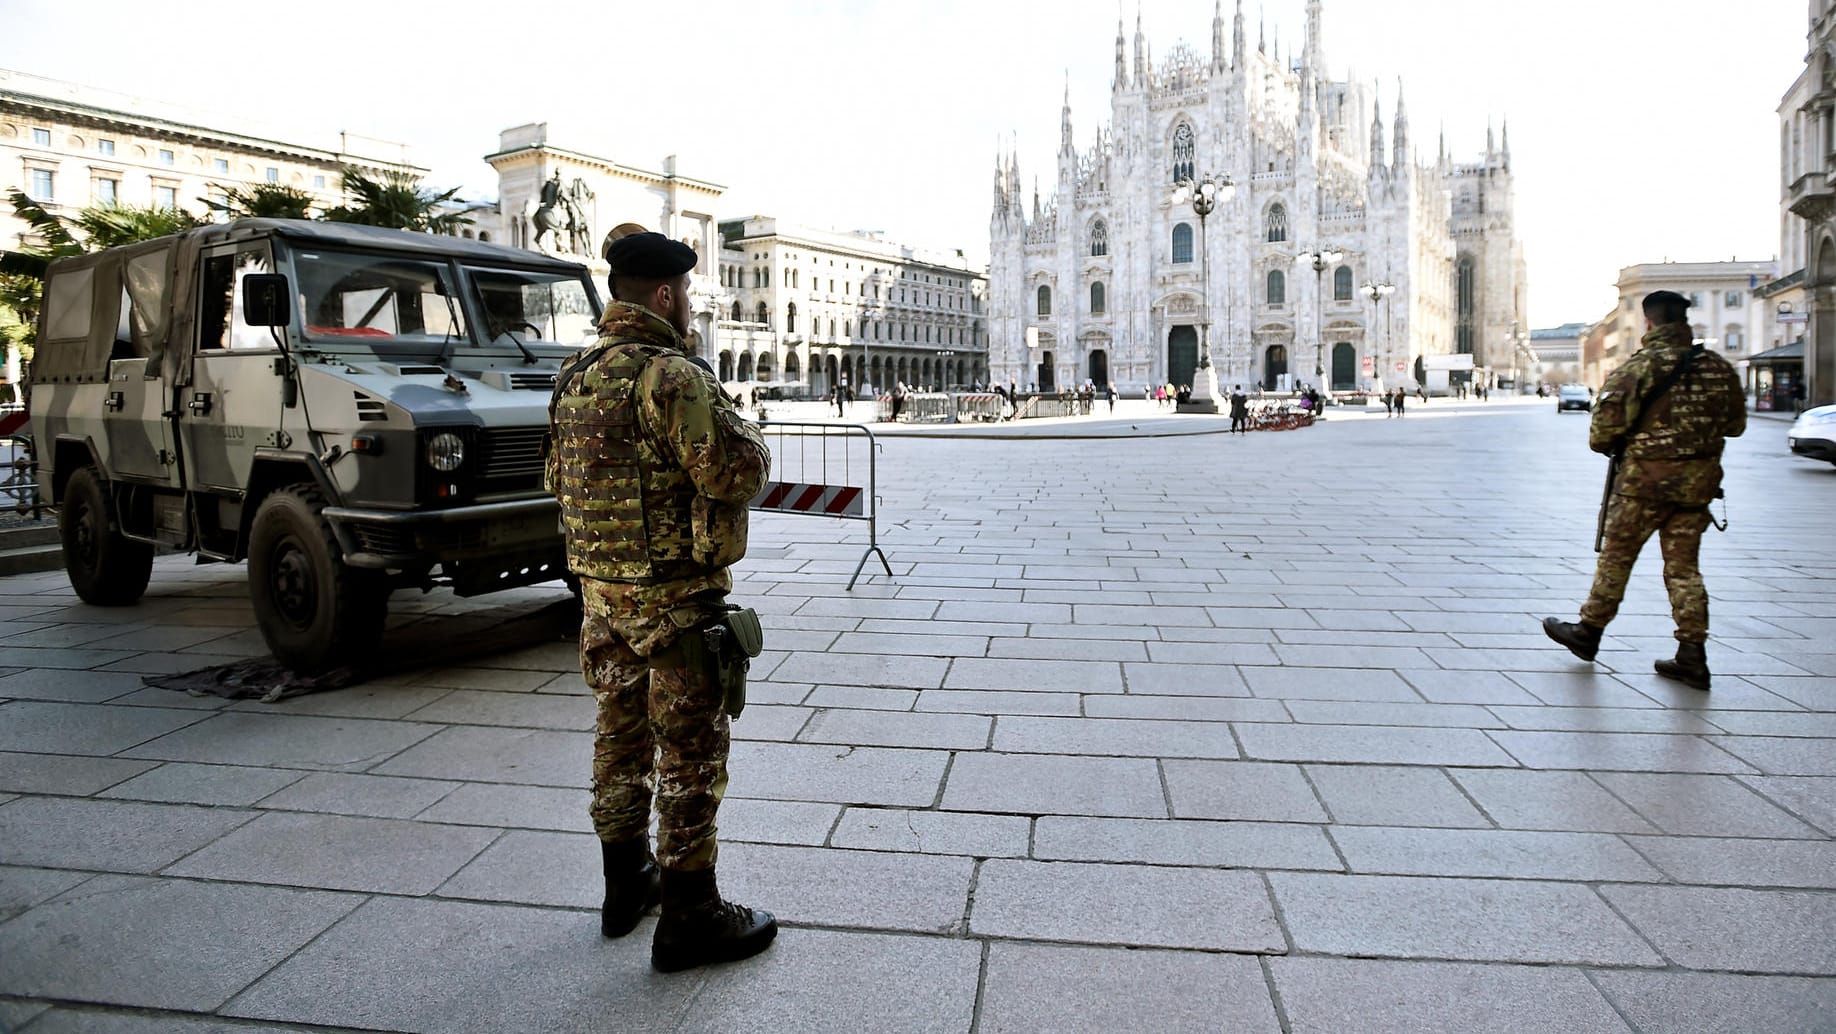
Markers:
1732,339
41,138
166,157
764,314
1099,300
1278,224
1183,150
1182,243
105,147
107,191
1045,300
43,185
165,197
790,318
1278,287
318,182
272,175
1342,284
219,164
736,312
1099,238
1731,300
1464,306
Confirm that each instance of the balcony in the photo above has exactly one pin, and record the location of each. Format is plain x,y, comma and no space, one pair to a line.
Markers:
1812,197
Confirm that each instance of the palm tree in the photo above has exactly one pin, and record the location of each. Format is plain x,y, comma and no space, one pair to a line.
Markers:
263,201
398,201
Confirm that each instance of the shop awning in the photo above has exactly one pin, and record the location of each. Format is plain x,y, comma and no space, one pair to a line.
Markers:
1792,353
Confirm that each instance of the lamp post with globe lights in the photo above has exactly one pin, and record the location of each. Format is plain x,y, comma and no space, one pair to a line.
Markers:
1321,259
1204,195
1377,293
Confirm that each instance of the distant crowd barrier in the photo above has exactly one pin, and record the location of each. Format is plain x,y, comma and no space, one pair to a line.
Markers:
817,471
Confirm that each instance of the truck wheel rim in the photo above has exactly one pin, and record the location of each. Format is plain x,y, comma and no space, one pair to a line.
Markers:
88,537
291,584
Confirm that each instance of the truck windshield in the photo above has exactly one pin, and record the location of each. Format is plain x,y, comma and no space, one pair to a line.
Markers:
376,299
534,306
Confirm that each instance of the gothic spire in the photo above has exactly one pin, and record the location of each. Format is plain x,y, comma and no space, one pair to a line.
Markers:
1504,143
1064,121
1376,133
1141,57
1491,142
1237,53
1400,149
1262,32
1311,56
1217,36
1121,56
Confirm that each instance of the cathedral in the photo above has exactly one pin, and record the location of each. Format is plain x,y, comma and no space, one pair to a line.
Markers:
1325,254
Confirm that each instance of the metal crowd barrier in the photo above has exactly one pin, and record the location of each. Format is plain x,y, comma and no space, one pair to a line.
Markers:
932,407
18,464
983,408
817,469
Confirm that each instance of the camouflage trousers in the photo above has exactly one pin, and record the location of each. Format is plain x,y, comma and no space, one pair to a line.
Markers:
662,731
1630,523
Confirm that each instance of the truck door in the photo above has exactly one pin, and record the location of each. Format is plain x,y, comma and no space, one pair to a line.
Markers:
139,427
233,404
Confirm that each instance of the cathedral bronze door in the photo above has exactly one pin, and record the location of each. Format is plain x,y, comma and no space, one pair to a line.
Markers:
1182,355
1099,368
1274,367
1344,366
1048,377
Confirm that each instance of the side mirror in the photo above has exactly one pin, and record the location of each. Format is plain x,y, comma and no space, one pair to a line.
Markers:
265,300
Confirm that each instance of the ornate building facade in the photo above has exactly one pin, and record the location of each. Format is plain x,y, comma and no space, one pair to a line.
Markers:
1803,299
1112,278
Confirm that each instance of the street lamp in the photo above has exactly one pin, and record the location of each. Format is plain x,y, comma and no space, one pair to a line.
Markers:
943,356
1321,259
1380,292
1204,196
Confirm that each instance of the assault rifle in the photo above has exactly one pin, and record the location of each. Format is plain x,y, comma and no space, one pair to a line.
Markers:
1617,453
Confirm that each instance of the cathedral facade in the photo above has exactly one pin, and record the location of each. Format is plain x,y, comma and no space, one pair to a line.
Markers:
1334,258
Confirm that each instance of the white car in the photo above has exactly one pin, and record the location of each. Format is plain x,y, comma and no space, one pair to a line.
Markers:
1814,434
1574,396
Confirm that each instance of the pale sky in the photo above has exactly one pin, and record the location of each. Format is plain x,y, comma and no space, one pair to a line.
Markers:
1640,129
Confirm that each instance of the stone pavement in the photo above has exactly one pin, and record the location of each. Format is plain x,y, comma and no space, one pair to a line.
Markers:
1205,733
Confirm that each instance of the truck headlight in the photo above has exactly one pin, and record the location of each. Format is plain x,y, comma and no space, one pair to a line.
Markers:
445,452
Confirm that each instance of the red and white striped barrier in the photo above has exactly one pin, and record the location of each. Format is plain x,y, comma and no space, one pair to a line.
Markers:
831,500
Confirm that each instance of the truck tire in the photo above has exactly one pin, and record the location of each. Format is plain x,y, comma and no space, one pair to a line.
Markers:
106,568
314,611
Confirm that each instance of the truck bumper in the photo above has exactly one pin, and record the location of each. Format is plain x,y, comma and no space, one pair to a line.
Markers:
480,548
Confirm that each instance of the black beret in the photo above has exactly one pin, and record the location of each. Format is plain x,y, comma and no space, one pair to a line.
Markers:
650,256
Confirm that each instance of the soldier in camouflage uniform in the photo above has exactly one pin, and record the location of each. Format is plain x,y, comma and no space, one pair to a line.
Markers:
1670,470
654,469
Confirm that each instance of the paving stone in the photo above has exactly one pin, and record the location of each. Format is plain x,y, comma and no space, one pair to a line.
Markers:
934,832
1210,653
770,722
769,822
1200,680
1604,719
537,757
92,1021
173,944
1702,805
338,852
1336,712
843,982
1241,790
1123,904
1375,795
1328,684
520,710
1186,708
1110,614
862,697
59,728
1624,752
1113,737
860,889
1371,744
77,776
858,669
1773,755
836,774
1374,996
1466,687
1777,723
1065,649
238,738
1752,931
21,888
1040,784
1514,854
1035,676
1715,1003
506,680
74,687
380,797
108,836
1465,919
532,868
1035,987
182,783
1526,799
972,701
14,1015
563,972
1812,798
1754,863
1237,845
898,729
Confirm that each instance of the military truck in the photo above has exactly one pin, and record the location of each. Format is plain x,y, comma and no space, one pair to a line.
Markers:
351,410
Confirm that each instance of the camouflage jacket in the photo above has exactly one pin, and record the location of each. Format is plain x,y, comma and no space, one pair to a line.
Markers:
1675,456
654,469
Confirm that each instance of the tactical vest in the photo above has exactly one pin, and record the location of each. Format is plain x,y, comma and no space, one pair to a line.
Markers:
626,510
1687,422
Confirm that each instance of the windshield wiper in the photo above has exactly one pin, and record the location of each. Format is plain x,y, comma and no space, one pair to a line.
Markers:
529,358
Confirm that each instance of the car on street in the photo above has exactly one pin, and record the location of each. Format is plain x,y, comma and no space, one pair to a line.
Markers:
1814,434
1574,396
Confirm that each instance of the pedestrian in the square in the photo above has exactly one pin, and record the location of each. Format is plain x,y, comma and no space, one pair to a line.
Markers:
1401,400
1389,405
898,399
1239,410
1665,414
641,431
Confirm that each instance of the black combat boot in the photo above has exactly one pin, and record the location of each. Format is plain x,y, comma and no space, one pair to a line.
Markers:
1689,668
632,885
698,927
1582,640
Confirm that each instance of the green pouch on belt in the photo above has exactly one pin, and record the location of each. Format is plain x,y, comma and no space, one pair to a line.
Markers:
733,642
